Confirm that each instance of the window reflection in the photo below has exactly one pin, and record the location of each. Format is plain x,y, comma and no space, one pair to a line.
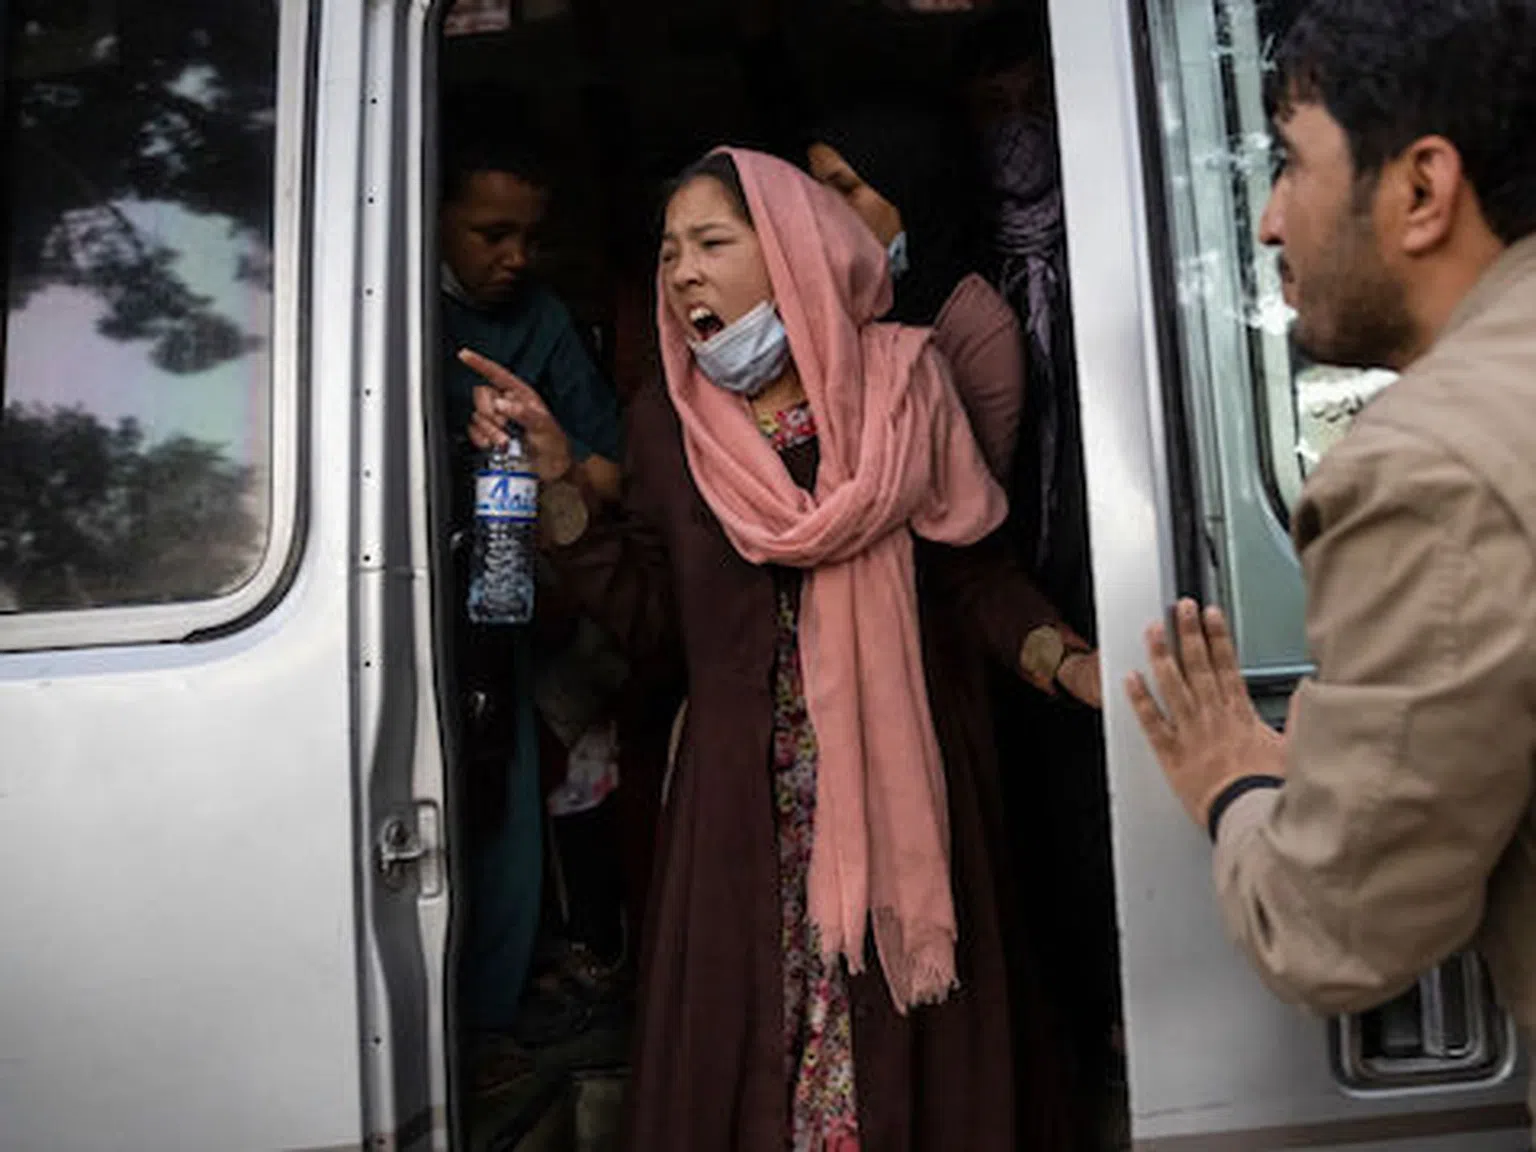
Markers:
1307,408
1213,62
138,184
1327,400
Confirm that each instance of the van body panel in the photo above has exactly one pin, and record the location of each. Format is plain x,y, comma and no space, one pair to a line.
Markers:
180,962
202,949
1214,1060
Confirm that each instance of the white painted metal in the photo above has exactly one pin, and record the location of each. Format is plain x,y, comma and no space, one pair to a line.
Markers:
1210,1051
400,758
197,953
179,967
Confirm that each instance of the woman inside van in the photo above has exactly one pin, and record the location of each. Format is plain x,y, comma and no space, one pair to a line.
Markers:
890,163
806,507
892,167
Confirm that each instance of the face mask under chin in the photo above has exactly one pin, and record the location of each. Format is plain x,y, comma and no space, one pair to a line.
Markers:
747,355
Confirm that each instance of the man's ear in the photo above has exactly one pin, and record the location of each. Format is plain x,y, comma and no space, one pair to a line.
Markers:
1432,185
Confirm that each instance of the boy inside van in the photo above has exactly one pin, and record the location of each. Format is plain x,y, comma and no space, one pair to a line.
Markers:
494,196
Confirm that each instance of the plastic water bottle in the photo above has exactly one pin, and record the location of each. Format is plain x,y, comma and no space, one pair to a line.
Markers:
501,577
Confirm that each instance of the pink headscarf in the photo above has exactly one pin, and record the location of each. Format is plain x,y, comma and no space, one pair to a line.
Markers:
897,456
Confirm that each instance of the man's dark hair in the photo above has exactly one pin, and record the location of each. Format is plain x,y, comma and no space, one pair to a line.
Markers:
485,128
1393,71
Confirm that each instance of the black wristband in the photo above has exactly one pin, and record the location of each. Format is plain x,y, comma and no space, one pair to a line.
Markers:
1234,792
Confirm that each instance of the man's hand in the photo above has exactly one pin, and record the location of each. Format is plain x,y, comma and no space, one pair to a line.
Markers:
506,398
1212,735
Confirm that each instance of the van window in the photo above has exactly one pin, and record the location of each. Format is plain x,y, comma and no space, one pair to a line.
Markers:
1325,401
135,398
1259,416
1213,63
1234,369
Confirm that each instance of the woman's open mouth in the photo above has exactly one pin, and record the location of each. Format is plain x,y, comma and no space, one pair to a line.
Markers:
704,322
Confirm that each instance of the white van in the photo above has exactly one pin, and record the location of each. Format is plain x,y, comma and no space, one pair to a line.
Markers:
225,752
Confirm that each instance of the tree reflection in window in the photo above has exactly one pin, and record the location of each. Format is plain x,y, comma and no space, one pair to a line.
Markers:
139,151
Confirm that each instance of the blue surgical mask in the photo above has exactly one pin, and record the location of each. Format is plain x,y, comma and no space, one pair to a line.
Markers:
896,252
748,355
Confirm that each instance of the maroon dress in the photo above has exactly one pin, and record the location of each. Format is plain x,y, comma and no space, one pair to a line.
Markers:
739,1041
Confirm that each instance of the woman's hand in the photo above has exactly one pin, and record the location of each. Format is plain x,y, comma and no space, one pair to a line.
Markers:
1079,675
505,398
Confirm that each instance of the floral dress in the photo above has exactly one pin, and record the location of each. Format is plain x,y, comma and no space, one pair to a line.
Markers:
818,1025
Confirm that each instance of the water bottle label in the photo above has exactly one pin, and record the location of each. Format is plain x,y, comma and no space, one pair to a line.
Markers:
510,496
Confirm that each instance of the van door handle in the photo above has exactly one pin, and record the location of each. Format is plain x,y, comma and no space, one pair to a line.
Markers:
1432,1021
1447,1030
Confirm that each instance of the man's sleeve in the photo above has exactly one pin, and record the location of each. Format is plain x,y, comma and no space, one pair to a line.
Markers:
585,404
1409,756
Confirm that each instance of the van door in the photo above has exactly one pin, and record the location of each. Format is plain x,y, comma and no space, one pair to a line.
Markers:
219,768
1199,426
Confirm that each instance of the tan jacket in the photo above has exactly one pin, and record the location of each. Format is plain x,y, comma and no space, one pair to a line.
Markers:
1406,828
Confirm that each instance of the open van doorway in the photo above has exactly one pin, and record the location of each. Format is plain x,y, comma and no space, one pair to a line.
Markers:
563,746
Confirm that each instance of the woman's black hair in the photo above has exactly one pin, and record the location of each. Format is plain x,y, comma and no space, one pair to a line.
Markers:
717,166
1003,40
911,158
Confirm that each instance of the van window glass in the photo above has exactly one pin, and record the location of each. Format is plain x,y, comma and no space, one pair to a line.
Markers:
135,414
1212,61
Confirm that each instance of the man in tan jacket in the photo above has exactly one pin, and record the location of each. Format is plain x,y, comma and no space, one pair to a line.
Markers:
1395,821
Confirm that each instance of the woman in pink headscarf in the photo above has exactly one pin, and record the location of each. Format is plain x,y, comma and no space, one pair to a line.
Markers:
809,520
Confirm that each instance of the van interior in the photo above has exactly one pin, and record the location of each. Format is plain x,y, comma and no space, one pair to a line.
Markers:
624,95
